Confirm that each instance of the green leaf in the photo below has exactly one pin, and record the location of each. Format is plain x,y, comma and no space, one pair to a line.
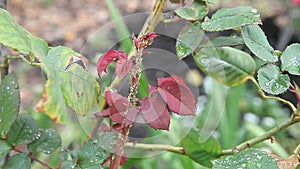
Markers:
200,8
271,80
39,47
201,151
222,41
9,103
227,65
18,161
68,84
188,39
47,142
290,59
250,158
91,154
23,130
4,149
258,44
230,18
12,34
198,11
186,13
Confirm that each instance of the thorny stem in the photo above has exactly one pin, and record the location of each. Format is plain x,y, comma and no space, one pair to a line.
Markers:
294,109
135,72
294,119
33,158
149,26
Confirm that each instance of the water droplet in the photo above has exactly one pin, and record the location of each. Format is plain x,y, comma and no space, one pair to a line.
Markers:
7,88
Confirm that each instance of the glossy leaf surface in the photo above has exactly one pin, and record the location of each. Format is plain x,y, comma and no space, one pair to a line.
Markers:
227,65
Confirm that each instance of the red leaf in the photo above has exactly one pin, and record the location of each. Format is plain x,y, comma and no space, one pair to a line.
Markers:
107,58
118,109
144,41
155,112
178,96
123,67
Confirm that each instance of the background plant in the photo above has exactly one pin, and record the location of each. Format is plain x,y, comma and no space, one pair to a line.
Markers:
68,84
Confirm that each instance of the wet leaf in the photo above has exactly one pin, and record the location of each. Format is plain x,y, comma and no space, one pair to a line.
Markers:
24,130
230,18
199,150
9,103
18,161
227,65
188,40
155,112
258,44
68,84
177,95
250,158
290,59
47,142
107,58
4,149
271,80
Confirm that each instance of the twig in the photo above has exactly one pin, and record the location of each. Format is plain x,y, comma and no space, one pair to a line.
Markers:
155,147
294,119
33,158
294,109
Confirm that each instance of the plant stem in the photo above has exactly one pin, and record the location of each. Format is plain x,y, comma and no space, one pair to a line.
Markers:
294,109
149,26
155,147
294,119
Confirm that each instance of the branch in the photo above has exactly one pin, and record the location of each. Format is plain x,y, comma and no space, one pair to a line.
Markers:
294,119
294,109
155,147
